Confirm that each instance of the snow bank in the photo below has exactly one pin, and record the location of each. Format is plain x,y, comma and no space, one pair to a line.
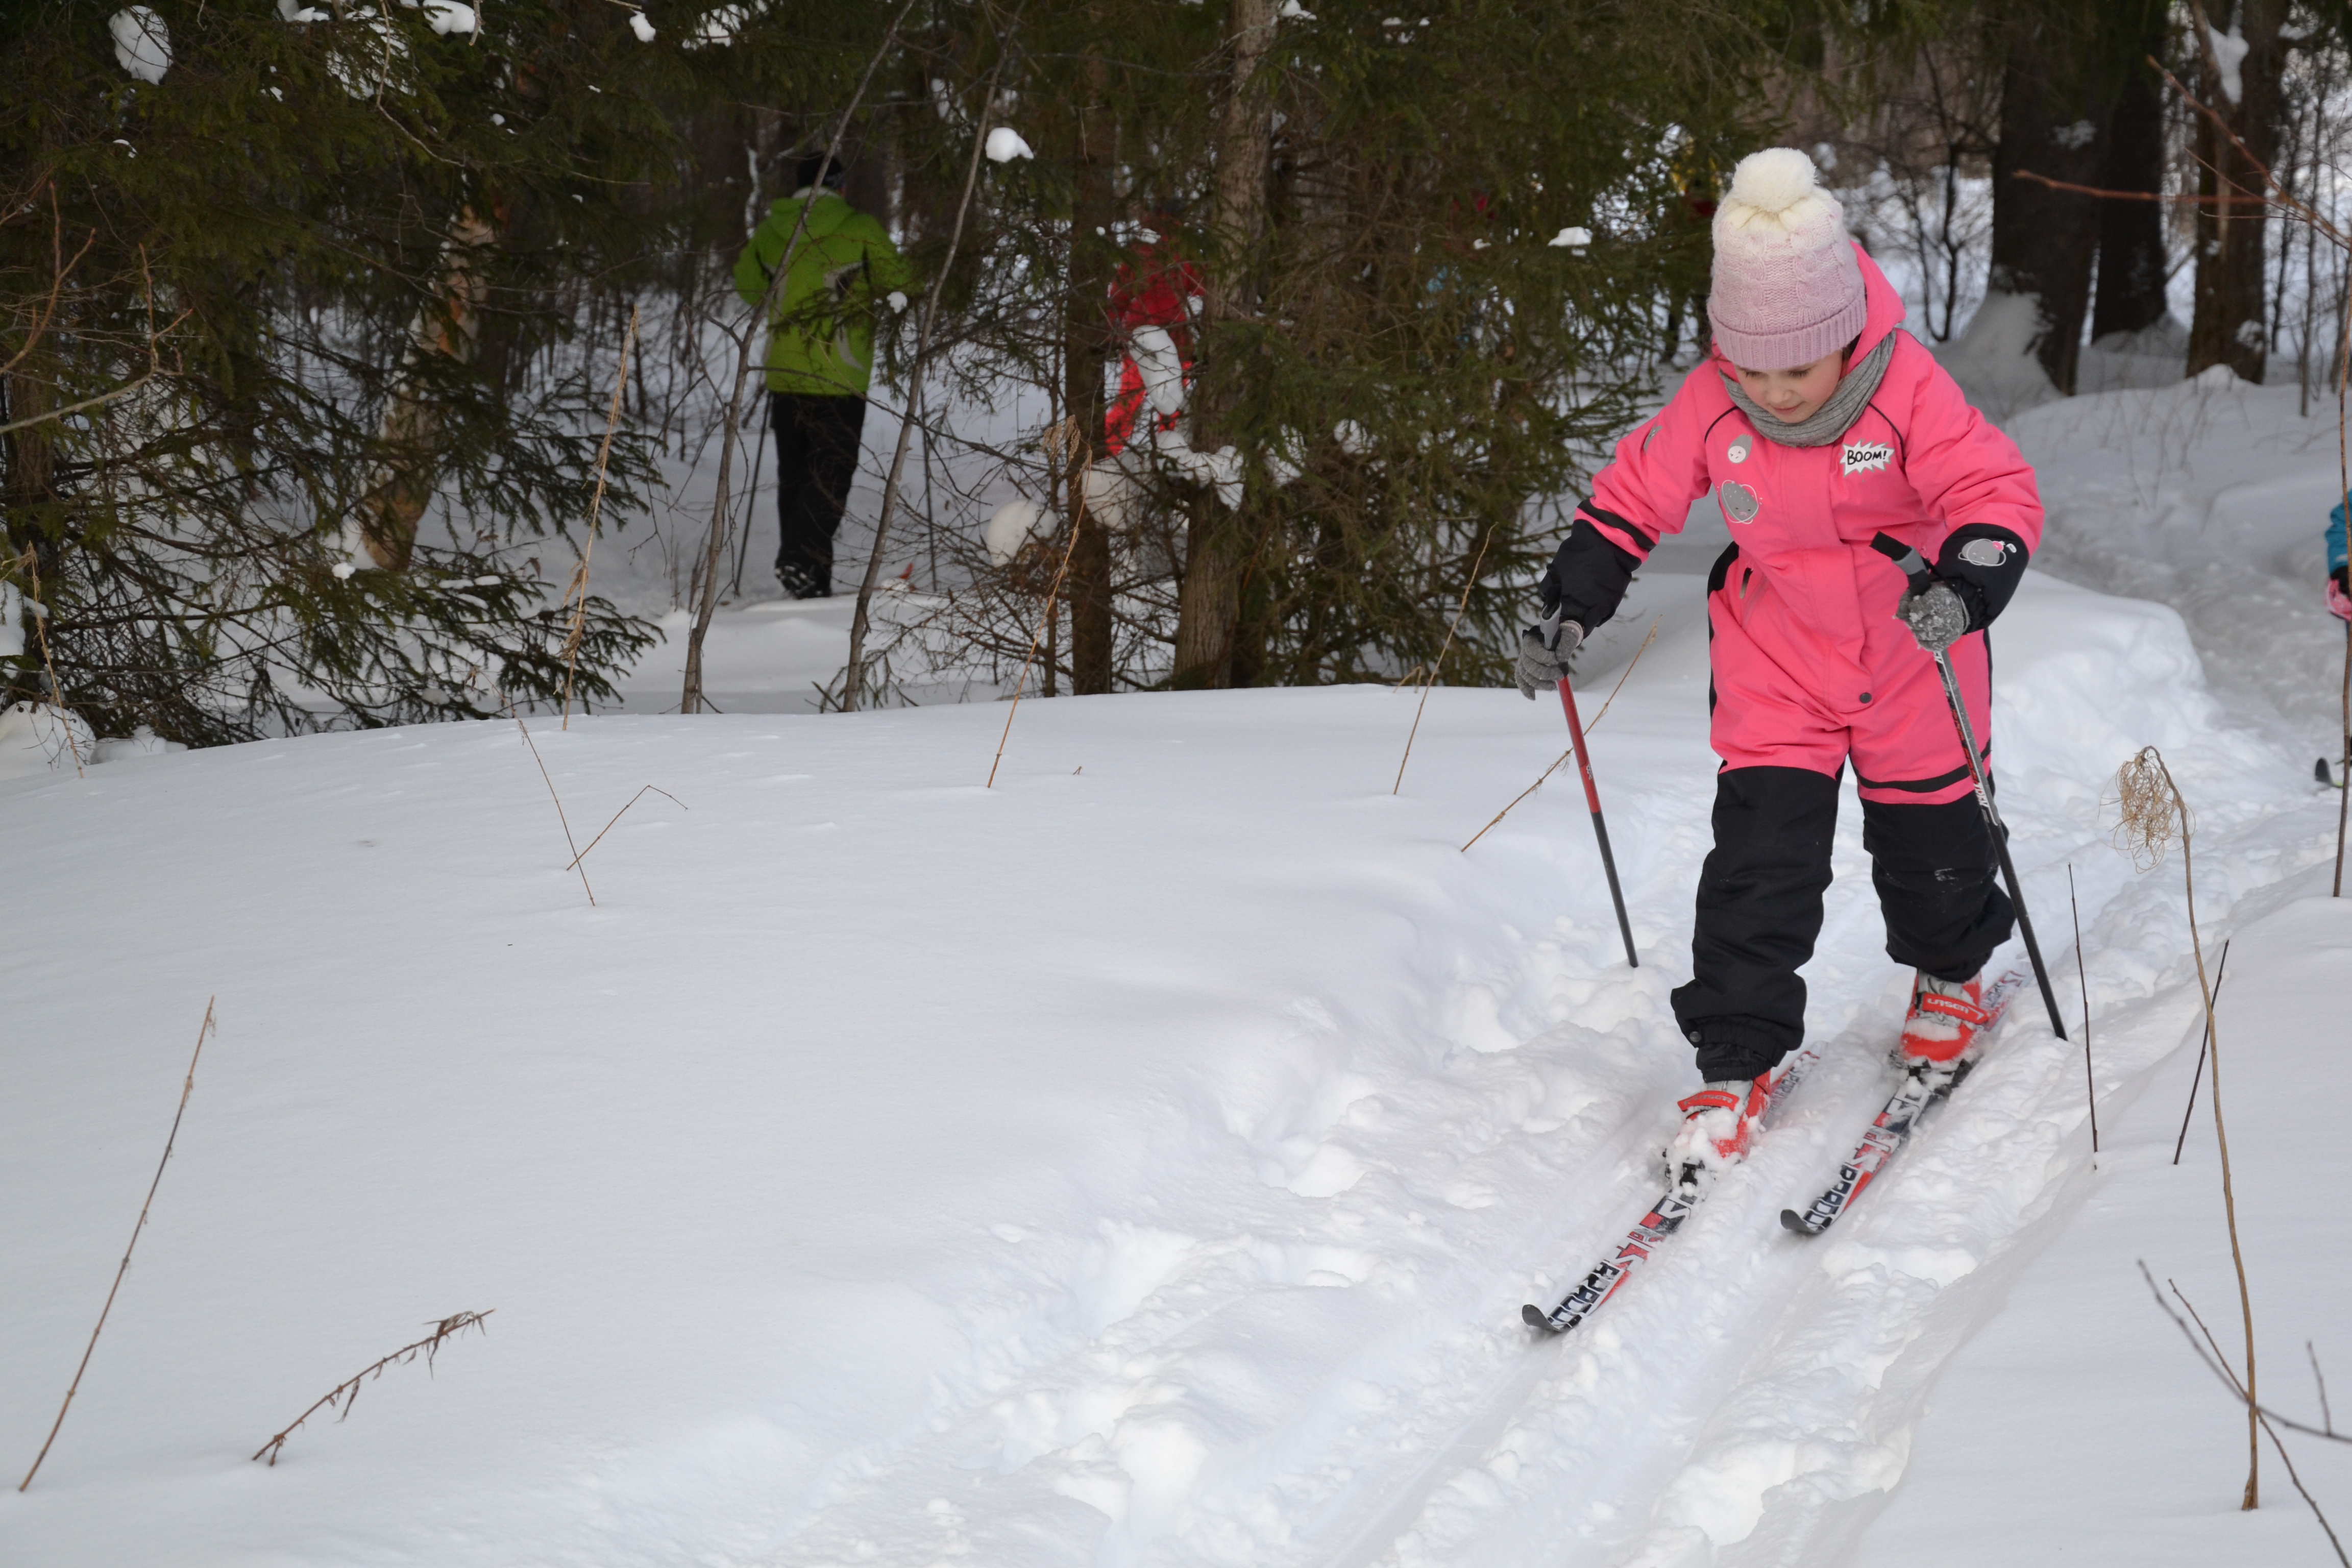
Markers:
36,740
1993,358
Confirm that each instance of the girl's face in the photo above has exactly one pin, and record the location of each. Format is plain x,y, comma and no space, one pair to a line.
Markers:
1792,395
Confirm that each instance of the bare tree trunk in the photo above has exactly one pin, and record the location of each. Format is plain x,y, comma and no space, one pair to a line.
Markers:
2131,234
2227,328
2052,123
451,327
1085,352
1208,611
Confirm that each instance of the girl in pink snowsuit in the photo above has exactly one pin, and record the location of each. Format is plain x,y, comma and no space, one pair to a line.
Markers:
1817,425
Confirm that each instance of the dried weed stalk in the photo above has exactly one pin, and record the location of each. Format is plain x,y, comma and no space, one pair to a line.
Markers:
649,789
569,841
1559,761
2083,977
346,1393
1065,433
2153,817
2268,1420
579,584
187,1086
2204,1043
1443,648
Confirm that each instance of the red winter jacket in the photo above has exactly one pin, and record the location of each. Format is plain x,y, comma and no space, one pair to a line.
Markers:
1155,289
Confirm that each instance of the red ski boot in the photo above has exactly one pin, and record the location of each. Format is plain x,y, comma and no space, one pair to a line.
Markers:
1942,1025
1717,1123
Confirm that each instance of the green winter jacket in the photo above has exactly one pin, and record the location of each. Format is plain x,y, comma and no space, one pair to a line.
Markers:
821,322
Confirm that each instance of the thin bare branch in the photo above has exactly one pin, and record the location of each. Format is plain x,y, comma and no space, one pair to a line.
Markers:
654,789
187,1086
579,583
1443,648
347,1392
1558,761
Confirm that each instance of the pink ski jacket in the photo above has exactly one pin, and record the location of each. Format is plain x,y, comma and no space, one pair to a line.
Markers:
1802,607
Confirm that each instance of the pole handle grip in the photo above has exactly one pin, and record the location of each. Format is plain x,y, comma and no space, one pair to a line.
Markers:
1907,561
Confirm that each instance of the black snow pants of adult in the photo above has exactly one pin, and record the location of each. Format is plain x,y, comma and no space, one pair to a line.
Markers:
816,460
1759,906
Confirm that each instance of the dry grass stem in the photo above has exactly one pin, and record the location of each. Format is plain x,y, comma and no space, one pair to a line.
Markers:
579,584
2345,803
1557,761
649,789
31,565
1443,648
2265,1419
2154,815
2219,1367
346,1393
2205,1040
187,1086
1078,478
2082,975
569,841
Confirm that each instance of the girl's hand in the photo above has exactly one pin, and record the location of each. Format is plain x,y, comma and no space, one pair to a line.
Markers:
1542,665
1937,617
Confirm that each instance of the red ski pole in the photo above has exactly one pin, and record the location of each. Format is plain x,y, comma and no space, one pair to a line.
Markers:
1592,800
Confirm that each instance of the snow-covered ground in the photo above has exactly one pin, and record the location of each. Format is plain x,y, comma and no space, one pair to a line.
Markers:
1144,1160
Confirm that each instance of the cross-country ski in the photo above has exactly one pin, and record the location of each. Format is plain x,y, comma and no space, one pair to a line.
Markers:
1924,1082
1687,1189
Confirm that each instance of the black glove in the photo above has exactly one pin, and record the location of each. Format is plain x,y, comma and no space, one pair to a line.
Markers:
1543,665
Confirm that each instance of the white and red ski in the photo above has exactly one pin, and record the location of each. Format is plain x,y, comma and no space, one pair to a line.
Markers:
1665,1216
1923,1084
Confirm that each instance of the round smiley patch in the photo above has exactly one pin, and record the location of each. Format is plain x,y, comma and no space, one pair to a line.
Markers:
1739,503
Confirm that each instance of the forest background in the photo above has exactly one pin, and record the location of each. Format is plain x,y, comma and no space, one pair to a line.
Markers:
332,334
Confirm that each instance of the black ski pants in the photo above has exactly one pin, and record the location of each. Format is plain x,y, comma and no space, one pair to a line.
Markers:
816,460
1759,906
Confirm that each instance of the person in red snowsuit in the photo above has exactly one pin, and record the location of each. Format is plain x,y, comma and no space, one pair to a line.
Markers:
1817,425
1155,289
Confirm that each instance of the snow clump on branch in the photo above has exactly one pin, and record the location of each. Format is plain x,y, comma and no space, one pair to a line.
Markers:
142,46
1004,144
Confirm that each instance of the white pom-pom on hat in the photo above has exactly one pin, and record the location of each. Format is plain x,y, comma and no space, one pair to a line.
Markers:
1773,181
1787,290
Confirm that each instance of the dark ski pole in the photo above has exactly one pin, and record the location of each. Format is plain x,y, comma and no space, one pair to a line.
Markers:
1592,800
1913,566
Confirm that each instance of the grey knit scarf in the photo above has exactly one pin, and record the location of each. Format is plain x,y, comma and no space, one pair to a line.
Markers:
1831,419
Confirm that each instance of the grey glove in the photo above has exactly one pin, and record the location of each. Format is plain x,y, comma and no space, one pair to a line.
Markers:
1936,617
1542,666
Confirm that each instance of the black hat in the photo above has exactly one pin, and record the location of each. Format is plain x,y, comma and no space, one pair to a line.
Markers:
817,170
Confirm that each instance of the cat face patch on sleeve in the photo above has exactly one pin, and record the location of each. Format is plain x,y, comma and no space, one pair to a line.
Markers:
1867,457
1987,552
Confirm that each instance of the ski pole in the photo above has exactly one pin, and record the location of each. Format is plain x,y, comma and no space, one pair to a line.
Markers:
1592,798
1913,566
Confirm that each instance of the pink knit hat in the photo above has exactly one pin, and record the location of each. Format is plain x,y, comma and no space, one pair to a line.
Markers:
1787,290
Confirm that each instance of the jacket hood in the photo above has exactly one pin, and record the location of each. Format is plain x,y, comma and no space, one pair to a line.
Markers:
1886,309
827,211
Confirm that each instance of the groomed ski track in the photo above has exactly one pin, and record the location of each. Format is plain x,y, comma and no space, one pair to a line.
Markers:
1748,1397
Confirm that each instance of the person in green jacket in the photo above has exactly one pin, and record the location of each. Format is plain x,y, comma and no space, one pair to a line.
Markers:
820,357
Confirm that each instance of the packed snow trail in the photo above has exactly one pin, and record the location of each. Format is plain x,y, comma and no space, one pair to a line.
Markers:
1143,1161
